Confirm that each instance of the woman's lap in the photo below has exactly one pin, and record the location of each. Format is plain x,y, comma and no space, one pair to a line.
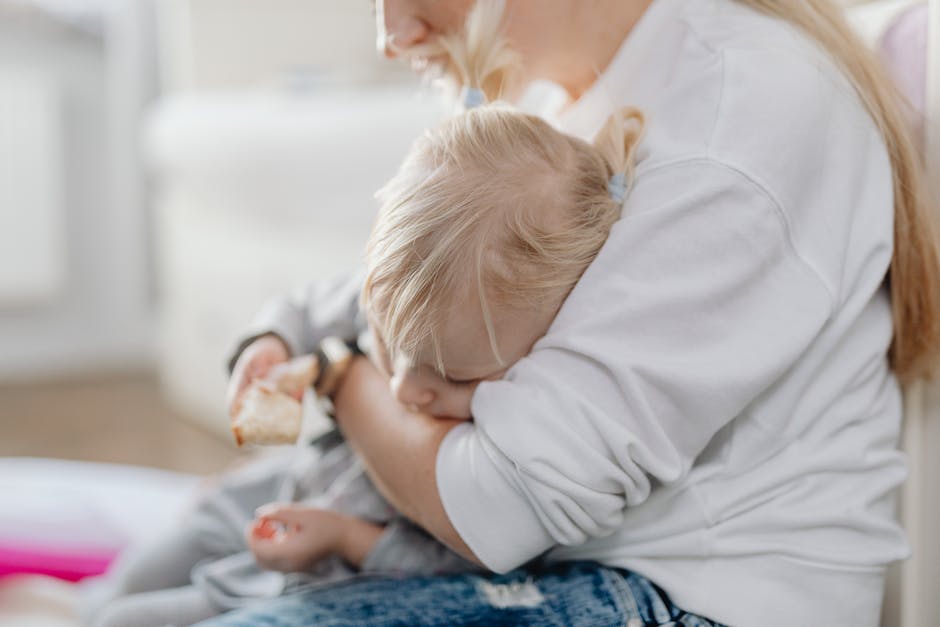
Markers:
561,594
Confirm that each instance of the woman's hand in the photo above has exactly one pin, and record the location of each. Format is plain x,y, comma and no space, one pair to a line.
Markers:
292,538
254,363
399,449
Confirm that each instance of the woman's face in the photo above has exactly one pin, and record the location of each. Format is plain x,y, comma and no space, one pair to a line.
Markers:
535,28
401,25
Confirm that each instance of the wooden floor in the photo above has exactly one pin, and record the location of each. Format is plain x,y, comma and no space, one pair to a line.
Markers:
119,419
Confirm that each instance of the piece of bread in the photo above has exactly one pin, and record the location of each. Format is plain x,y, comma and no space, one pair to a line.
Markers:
297,374
267,417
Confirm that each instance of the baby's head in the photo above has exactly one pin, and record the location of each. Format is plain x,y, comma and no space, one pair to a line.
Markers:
486,228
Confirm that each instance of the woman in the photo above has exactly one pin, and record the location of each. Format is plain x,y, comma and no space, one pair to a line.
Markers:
710,423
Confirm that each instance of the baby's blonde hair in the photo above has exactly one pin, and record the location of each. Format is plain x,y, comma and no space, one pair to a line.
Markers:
494,209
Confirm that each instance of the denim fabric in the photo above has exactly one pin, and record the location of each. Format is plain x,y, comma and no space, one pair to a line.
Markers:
571,594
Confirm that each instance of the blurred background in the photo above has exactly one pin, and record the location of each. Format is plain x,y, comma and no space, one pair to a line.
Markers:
165,167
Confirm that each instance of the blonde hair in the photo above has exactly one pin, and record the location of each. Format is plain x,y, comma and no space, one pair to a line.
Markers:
497,210
494,209
480,56
914,274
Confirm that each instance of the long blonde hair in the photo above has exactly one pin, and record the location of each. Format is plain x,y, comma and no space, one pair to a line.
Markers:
479,56
914,274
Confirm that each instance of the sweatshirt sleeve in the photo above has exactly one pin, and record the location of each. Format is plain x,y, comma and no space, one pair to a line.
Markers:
307,315
697,303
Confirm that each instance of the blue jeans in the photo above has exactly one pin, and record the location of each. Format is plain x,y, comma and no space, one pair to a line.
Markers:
566,594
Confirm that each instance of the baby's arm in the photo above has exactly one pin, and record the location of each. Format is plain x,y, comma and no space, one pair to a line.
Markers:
293,325
292,538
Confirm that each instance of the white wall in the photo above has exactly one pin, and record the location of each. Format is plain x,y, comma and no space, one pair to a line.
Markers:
213,44
32,229
277,125
93,311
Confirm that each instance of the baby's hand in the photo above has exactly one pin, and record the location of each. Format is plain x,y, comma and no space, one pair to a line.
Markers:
254,363
291,538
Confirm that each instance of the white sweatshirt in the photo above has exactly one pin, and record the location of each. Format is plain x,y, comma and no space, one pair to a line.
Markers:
712,407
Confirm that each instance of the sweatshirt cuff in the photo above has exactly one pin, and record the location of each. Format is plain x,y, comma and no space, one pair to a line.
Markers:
242,345
491,515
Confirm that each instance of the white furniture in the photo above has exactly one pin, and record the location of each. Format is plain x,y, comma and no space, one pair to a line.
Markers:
259,192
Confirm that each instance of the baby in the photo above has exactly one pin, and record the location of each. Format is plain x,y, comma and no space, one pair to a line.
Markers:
480,236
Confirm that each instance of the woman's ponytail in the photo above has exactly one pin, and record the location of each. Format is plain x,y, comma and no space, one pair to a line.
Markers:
480,57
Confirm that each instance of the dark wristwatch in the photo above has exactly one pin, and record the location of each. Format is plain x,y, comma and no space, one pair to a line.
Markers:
334,356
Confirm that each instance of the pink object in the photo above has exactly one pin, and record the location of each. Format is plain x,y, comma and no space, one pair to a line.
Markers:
67,564
70,519
904,50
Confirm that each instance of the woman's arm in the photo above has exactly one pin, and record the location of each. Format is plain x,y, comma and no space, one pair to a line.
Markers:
399,449
655,350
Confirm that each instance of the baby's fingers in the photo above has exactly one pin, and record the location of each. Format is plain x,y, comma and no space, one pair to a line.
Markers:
269,554
254,363
288,514
265,529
